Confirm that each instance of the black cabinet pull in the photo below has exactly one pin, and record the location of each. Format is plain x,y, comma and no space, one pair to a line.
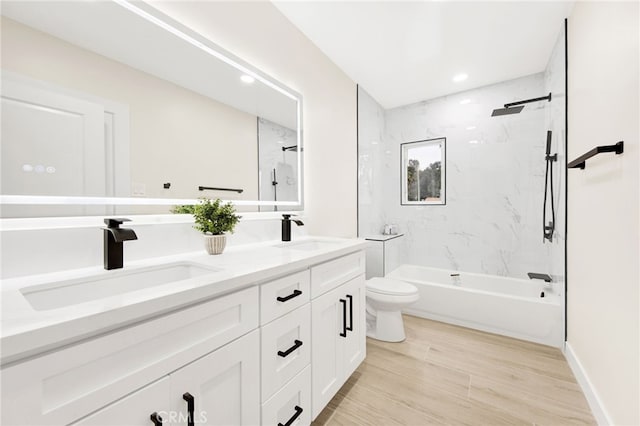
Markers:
344,318
296,344
190,407
350,327
293,418
156,419
295,293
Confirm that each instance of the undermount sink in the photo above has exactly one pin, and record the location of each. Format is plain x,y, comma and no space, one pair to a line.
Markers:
307,245
63,293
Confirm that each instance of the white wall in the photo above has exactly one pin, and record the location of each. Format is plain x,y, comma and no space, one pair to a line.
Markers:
603,223
258,33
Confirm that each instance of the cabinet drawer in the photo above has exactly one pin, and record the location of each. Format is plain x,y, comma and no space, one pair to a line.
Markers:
135,409
283,295
286,349
67,384
329,275
293,400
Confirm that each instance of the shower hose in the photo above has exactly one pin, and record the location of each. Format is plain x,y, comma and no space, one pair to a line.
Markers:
548,230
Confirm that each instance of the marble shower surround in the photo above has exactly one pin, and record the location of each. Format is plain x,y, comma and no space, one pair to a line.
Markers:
492,222
272,137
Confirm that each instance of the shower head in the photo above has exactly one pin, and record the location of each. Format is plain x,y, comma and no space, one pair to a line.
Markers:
509,108
506,111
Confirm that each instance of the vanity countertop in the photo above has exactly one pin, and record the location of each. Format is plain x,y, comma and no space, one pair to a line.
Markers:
26,331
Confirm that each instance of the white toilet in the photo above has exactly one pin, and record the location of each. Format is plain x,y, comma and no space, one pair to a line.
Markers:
385,300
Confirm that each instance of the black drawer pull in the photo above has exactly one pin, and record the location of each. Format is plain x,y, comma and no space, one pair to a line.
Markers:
190,407
350,327
156,419
293,418
296,344
295,293
344,318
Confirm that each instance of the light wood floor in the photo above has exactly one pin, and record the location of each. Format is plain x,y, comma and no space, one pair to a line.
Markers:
444,374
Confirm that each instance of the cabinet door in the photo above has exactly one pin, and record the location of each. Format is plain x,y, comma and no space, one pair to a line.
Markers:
225,386
355,344
135,409
327,349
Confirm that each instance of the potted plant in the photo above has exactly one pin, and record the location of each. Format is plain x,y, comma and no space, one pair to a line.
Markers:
213,219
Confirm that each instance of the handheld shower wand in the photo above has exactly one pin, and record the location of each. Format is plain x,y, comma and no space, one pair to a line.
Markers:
549,229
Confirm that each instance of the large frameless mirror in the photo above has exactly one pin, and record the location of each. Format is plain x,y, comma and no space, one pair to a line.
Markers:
112,107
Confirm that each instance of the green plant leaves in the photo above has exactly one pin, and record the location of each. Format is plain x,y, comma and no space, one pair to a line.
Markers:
213,217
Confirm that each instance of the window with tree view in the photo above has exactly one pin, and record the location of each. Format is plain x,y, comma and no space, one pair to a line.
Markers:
423,172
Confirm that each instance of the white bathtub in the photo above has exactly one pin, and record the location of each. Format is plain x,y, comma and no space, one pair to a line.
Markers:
508,306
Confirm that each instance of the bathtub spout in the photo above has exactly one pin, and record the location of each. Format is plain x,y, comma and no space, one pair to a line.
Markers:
538,276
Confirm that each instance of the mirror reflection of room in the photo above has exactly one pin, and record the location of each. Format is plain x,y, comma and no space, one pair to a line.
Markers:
113,124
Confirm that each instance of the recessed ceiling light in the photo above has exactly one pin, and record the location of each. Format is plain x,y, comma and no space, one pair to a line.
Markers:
460,77
473,142
465,101
471,127
247,79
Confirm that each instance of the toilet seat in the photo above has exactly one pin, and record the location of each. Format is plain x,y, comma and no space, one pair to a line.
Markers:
386,286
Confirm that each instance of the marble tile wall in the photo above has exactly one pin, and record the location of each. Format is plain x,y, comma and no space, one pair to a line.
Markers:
492,222
272,137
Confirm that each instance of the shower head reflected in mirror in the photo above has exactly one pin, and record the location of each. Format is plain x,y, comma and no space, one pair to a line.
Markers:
516,108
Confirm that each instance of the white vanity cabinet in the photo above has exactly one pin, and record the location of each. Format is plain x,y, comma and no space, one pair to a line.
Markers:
217,389
65,385
272,353
338,327
221,388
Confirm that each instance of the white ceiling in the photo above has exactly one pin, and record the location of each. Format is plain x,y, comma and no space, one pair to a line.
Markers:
403,52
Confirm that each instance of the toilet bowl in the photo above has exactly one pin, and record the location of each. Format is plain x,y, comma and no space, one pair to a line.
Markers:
385,300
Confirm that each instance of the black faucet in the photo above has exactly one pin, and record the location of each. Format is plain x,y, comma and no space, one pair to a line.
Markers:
286,226
113,239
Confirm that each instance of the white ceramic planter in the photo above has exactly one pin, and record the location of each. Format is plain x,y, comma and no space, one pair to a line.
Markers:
215,243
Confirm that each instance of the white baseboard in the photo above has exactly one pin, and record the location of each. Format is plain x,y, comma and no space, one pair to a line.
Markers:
595,403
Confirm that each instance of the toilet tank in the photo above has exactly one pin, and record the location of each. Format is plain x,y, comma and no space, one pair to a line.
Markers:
382,254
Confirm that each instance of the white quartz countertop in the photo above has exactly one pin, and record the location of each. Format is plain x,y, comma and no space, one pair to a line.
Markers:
25,331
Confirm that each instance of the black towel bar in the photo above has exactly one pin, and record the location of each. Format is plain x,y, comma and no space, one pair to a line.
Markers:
580,162
210,188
